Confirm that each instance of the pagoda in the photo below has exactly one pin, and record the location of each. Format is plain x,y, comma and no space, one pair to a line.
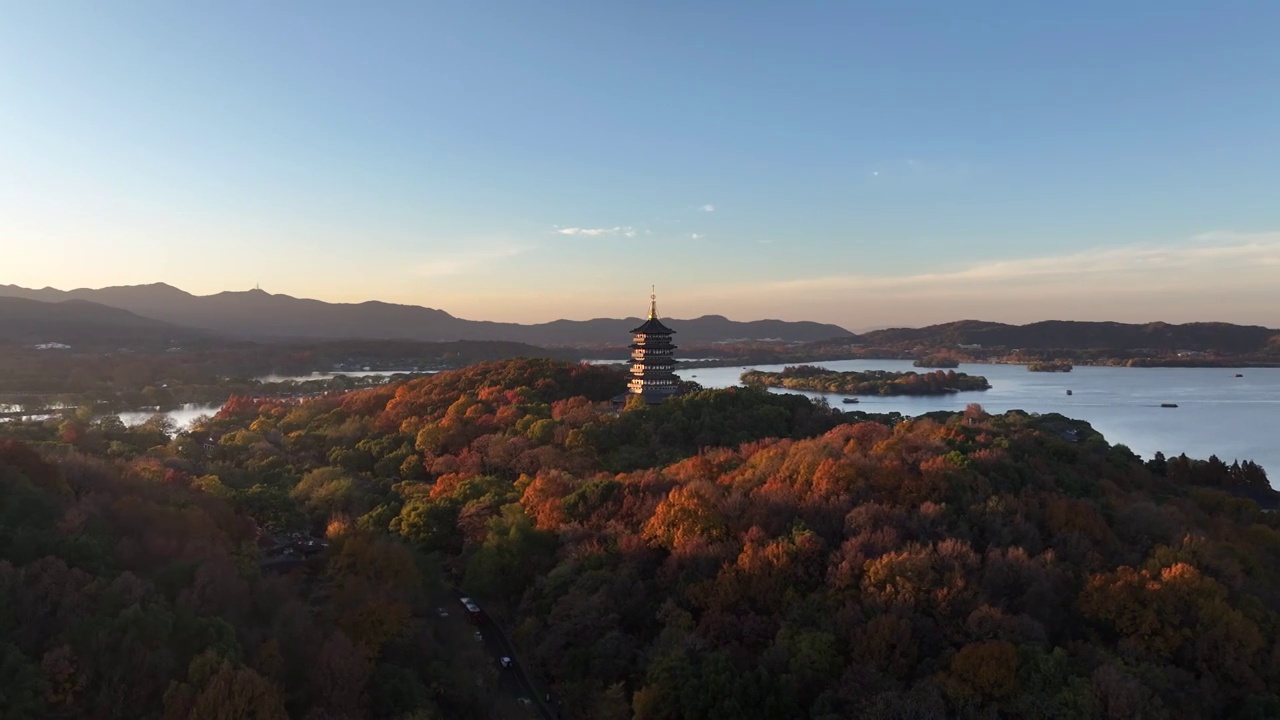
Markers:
653,363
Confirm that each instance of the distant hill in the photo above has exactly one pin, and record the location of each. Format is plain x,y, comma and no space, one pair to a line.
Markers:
158,311
260,315
80,324
699,330
1065,334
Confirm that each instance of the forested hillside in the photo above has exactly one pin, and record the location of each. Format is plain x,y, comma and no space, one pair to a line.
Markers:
727,554
87,325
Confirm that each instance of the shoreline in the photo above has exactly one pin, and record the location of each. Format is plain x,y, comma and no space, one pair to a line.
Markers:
747,362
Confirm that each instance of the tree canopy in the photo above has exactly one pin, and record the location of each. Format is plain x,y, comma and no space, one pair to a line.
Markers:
728,553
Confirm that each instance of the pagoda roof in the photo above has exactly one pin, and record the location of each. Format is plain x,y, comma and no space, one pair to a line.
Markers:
654,326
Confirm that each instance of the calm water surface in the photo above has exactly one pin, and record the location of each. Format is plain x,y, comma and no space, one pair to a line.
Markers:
1217,414
184,415
329,375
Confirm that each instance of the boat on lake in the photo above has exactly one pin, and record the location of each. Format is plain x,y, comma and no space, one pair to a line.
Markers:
1068,392
1169,405
849,401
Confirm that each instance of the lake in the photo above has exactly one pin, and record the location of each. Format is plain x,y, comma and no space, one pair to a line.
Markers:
184,415
1217,414
330,375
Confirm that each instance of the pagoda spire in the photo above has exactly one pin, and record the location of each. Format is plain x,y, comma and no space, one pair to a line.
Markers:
653,302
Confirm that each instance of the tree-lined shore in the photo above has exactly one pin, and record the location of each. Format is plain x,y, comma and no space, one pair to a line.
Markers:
869,382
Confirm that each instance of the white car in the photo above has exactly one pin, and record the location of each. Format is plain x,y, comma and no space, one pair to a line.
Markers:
506,661
479,637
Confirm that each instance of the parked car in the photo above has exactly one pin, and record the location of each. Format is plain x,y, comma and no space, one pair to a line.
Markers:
506,661
479,637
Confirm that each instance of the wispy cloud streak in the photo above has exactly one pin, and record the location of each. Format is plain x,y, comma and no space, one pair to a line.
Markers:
466,261
1213,258
625,231
1218,276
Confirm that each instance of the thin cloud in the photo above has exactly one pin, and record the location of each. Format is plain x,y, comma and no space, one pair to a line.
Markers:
697,236
708,208
459,263
626,231
1200,260
1215,276
593,232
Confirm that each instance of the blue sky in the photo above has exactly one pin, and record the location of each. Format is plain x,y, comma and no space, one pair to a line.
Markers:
861,163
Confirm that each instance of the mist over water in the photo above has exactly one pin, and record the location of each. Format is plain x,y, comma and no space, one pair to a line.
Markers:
182,417
185,415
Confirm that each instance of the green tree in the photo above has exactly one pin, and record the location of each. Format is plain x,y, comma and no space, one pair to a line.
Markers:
21,687
512,555
216,689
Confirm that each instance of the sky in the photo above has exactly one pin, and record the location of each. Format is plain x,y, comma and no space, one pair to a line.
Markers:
863,163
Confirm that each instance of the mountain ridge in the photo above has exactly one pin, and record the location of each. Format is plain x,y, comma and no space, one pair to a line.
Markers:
256,314
78,322
1083,335
259,315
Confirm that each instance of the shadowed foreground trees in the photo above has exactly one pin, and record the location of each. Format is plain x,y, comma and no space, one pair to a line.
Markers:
126,594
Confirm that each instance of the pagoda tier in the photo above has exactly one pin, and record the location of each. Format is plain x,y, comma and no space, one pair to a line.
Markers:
653,364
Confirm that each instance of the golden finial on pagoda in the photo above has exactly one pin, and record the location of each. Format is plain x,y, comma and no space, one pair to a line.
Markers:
653,302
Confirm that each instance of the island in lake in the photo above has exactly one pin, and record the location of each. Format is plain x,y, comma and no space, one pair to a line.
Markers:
937,361
870,382
1050,366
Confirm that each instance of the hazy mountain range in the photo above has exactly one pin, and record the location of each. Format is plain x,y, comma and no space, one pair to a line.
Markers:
258,315
160,313
1077,335
80,322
